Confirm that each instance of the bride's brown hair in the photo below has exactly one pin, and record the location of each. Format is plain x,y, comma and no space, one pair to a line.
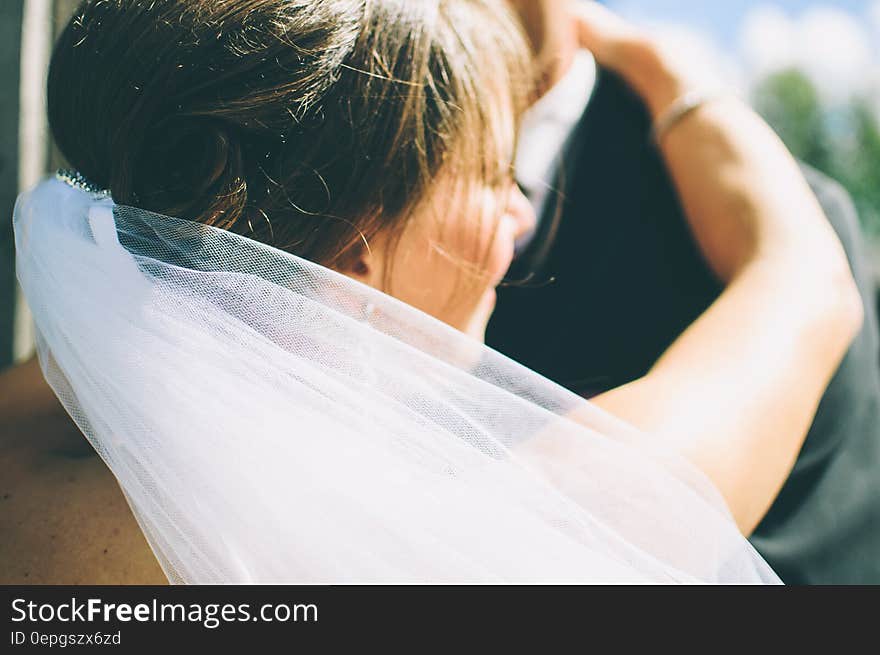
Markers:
310,125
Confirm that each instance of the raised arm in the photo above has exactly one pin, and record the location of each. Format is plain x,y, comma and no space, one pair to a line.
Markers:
737,392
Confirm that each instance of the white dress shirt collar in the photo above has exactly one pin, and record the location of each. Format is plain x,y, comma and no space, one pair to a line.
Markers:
548,124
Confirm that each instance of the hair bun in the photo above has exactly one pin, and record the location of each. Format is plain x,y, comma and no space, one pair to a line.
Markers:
186,160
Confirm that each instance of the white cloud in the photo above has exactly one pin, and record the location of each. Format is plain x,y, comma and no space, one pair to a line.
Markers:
768,39
828,44
835,51
706,61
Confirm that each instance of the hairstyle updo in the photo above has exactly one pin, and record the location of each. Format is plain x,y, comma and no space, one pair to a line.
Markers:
310,125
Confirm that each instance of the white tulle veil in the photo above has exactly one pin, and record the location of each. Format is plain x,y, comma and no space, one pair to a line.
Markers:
270,420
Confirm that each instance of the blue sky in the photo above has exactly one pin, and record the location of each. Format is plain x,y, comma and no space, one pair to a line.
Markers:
722,18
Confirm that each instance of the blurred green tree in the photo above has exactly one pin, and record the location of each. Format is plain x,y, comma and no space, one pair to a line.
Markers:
858,167
790,103
842,142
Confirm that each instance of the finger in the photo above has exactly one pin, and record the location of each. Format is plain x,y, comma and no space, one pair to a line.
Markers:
600,30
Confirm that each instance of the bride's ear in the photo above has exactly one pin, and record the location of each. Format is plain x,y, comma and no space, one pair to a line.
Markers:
366,267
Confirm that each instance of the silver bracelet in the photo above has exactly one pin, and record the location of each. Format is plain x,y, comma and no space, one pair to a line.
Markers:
679,109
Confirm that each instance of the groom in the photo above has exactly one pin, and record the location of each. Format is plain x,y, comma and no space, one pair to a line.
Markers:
613,277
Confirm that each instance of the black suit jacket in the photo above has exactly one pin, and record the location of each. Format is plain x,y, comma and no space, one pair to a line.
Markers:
618,277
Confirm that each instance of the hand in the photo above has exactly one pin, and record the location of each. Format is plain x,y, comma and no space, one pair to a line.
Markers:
654,72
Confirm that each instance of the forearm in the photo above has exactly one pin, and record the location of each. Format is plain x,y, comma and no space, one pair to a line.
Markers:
745,197
737,392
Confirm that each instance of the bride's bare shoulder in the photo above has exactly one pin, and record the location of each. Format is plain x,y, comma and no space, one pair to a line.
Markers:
63,517
65,521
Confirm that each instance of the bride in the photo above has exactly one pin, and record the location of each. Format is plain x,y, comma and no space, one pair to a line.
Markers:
262,293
